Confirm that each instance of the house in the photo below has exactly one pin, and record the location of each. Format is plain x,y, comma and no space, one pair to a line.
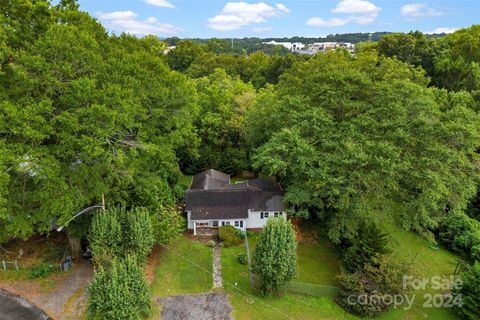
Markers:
212,201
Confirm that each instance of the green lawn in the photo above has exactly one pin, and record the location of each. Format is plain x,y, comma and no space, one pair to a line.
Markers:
184,268
425,263
317,264
185,181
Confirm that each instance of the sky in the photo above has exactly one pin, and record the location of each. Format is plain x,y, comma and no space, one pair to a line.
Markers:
283,18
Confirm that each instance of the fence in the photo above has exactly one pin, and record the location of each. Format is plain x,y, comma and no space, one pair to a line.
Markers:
5,264
311,289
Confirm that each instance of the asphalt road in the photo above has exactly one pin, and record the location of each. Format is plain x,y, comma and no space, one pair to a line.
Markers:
16,308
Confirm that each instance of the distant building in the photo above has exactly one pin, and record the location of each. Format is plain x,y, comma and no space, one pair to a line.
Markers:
325,46
292,46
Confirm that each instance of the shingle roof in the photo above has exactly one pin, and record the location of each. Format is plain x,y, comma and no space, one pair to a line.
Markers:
220,200
209,180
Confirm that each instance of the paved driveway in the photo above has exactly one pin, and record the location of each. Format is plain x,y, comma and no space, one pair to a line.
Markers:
16,308
211,306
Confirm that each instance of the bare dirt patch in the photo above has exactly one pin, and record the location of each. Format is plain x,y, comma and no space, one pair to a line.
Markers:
61,296
212,306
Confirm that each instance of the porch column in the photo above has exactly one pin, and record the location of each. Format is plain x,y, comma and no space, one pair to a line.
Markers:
194,228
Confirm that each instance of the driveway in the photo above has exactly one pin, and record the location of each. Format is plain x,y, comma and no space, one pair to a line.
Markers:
16,308
211,306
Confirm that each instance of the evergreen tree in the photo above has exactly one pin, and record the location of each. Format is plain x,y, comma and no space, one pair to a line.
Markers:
470,292
119,292
275,257
370,244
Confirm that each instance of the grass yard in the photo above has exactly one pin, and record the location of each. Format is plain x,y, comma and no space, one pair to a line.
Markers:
176,275
185,181
312,257
425,263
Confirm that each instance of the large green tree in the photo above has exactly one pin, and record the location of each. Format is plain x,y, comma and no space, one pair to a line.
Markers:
356,137
83,113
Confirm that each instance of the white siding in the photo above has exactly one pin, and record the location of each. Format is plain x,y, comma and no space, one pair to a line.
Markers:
255,218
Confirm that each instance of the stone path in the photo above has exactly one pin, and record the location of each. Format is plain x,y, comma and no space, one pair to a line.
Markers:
205,306
217,267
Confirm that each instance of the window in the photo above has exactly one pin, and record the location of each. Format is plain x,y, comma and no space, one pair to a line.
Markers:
227,223
241,224
275,214
215,223
265,214
280,214
223,223
237,224
261,215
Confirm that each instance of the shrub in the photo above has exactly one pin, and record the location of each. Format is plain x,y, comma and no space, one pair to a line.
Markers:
470,292
167,223
229,236
119,232
461,234
211,243
41,271
240,233
367,248
242,258
119,292
275,257
371,282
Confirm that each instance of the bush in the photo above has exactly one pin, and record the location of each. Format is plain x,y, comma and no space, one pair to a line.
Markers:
211,243
240,233
462,234
229,236
119,292
41,271
242,258
470,292
371,282
275,257
118,232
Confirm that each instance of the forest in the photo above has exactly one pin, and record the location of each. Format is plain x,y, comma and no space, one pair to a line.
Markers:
391,132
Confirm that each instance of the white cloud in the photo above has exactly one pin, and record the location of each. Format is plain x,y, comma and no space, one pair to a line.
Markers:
357,11
443,30
126,21
319,22
419,10
356,7
160,3
261,29
236,15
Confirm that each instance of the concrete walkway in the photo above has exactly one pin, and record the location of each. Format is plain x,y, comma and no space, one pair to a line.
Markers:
217,267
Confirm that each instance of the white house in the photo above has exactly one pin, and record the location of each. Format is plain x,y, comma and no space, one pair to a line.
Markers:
212,202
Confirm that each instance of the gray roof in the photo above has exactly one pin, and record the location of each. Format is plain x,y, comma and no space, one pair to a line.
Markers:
220,200
210,180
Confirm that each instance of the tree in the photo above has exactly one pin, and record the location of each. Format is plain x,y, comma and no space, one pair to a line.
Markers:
184,54
413,48
221,126
354,136
370,245
362,291
83,113
118,232
275,257
119,292
469,292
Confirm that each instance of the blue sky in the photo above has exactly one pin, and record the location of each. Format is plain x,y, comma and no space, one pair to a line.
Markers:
225,19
